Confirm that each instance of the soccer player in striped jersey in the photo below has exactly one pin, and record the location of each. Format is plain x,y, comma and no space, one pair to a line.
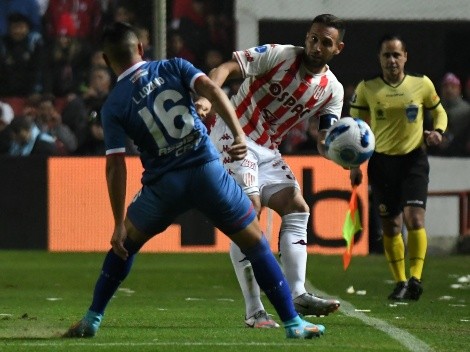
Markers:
283,85
394,103
152,104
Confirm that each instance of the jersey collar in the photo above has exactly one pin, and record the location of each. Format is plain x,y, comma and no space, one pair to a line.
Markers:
130,69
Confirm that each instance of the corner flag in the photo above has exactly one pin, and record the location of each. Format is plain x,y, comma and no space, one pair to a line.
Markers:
352,225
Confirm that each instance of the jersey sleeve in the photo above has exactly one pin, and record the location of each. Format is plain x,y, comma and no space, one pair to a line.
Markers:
335,104
189,73
114,134
431,99
358,104
258,60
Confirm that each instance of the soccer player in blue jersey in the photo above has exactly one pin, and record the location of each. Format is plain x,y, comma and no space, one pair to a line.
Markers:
151,103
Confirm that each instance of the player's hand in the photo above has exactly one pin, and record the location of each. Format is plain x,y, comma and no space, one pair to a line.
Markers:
117,241
355,175
238,149
203,107
432,138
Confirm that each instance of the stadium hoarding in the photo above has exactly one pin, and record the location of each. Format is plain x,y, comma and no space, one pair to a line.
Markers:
80,218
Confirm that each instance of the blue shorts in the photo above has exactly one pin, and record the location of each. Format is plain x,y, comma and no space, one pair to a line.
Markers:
208,188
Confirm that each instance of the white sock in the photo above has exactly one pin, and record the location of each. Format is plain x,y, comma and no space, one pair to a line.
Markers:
293,250
250,289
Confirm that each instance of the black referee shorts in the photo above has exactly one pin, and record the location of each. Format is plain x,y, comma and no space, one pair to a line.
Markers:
399,180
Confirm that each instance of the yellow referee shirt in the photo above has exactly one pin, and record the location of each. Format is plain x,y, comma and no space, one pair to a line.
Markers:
396,114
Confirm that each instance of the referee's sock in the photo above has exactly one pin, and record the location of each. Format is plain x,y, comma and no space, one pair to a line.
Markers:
394,248
417,245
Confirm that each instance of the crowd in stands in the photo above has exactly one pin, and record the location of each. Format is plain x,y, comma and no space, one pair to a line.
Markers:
53,79
53,76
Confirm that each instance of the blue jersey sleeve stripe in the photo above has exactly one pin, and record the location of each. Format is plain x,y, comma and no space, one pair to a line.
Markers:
115,151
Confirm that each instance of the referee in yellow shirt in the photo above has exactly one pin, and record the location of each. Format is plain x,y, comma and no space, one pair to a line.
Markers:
393,104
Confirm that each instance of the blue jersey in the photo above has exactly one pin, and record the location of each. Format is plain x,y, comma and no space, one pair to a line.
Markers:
151,104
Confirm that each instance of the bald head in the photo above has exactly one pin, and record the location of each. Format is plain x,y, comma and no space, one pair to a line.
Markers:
121,47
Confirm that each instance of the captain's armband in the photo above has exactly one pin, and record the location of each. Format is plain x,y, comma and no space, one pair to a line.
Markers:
326,121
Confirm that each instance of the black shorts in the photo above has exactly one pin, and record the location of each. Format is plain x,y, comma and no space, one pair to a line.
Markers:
399,180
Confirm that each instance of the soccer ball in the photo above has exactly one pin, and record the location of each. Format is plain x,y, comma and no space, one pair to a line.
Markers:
349,142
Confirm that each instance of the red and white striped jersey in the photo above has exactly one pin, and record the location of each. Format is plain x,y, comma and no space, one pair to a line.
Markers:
278,92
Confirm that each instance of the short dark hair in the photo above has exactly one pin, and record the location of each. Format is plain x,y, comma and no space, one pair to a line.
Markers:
116,41
330,20
17,17
388,37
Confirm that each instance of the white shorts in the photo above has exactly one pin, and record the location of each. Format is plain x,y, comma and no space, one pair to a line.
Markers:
262,172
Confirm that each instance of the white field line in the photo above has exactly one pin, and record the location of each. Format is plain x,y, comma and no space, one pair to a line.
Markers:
409,341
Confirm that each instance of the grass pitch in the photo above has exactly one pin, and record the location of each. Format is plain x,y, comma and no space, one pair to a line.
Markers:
191,302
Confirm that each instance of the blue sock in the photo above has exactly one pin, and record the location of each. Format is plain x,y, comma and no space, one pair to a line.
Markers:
113,272
271,280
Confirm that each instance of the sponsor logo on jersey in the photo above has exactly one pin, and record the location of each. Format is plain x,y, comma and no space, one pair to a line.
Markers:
187,143
411,112
139,73
225,137
249,164
261,49
287,99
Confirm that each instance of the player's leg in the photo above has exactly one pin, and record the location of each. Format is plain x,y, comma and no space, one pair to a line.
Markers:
416,190
147,215
386,183
417,247
114,270
225,203
281,192
246,174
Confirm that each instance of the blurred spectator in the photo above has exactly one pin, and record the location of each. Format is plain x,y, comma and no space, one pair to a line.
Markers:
6,116
49,120
27,139
466,92
348,95
29,9
21,57
177,47
189,18
79,18
212,59
457,135
69,58
124,11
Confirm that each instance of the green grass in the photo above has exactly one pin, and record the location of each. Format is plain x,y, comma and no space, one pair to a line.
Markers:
41,294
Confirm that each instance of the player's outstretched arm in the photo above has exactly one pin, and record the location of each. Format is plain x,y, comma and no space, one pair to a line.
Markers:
206,88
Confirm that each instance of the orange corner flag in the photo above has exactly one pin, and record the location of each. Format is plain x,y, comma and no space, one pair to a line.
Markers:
352,225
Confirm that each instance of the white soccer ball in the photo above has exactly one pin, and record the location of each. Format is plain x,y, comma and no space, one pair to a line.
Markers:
349,142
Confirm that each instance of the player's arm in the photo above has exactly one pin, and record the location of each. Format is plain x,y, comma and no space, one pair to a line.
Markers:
228,70
208,89
116,176
326,121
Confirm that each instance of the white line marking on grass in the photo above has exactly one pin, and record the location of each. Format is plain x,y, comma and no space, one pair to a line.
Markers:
409,341
156,343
